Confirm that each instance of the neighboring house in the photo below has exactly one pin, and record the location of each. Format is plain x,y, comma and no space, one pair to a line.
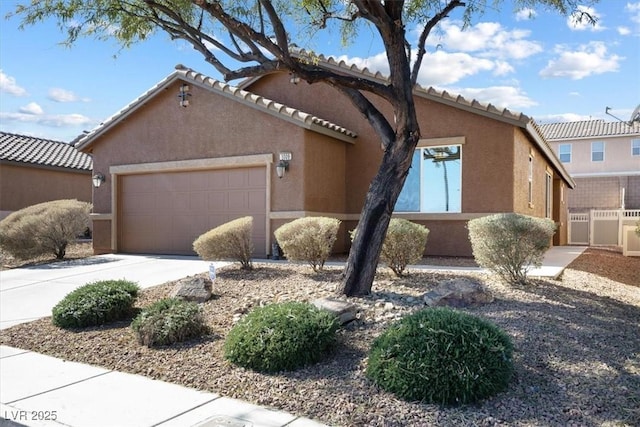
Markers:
604,160
35,170
173,172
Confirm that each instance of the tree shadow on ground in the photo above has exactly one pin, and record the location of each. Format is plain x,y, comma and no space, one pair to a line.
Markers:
257,273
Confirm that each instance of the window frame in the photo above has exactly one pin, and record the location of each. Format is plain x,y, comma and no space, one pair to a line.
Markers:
594,152
570,153
421,182
633,147
530,181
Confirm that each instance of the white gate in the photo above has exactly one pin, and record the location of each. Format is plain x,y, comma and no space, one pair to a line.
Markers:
601,227
578,229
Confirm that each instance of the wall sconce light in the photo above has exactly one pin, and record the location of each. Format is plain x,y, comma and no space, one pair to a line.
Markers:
294,79
98,179
283,164
184,95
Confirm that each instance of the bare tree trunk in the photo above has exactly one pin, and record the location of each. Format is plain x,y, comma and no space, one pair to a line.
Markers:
374,221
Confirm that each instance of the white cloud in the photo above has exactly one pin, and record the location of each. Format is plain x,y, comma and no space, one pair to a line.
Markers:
32,108
8,85
561,118
525,14
62,95
373,63
501,96
51,120
488,39
588,60
441,68
581,20
624,31
502,68
634,11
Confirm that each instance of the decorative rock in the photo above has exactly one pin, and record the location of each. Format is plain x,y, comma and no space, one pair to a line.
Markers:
344,311
459,292
194,289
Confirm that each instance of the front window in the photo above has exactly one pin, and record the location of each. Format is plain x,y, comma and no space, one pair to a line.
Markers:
434,183
597,151
564,153
635,147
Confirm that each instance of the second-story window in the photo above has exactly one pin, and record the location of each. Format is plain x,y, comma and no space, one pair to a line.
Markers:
564,153
635,147
597,151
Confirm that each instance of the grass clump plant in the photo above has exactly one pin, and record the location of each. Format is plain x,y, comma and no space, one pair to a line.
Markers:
442,356
228,242
45,228
510,244
169,321
281,337
308,239
96,304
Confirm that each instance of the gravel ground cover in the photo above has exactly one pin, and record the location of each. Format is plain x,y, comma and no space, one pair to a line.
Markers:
577,347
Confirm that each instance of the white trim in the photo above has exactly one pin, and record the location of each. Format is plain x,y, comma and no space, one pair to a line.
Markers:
605,174
412,216
101,216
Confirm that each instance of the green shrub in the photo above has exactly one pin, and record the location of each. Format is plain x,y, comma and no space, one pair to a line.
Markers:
96,304
308,239
281,337
638,227
230,241
510,244
403,244
45,228
443,356
168,321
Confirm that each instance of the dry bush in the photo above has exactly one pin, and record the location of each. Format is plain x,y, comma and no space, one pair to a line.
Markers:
45,228
510,244
403,245
228,242
308,239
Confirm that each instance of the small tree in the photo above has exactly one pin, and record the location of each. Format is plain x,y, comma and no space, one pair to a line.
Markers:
229,241
45,228
510,244
308,239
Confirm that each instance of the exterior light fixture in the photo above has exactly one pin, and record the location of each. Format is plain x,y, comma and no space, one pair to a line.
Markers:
294,79
283,164
184,95
98,179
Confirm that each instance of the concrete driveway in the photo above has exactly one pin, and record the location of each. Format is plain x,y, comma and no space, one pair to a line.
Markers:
30,293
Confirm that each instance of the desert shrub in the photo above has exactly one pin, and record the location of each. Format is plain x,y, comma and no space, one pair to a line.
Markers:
96,304
403,244
510,244
45,228
280,337
638,227
168,321
443,356
230,241
308,239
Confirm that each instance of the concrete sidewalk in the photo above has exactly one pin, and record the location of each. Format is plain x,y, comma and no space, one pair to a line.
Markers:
38,390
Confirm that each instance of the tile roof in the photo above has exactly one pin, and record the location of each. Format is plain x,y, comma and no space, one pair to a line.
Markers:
266,105
42,152
589,129
442,96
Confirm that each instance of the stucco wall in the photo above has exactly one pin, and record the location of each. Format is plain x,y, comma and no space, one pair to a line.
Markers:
617,155
22,186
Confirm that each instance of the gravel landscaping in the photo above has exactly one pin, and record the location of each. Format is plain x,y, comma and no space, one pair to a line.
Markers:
577,347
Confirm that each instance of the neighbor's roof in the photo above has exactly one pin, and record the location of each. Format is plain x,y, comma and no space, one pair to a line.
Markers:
292,115
520,120
42,152
588,129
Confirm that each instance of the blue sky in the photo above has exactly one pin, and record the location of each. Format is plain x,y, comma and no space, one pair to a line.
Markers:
535,62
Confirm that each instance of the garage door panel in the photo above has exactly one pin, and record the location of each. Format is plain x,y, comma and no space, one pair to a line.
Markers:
166,212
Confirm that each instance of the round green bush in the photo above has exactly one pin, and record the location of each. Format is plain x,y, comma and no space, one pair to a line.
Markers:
281,337
441,356
169,321
96,304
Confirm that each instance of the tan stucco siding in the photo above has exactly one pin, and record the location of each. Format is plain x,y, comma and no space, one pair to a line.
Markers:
22,186
324,174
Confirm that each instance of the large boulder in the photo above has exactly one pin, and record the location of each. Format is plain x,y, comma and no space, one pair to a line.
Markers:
197,289
458,292
344,311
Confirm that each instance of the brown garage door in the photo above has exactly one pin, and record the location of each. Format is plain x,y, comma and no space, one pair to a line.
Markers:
163,213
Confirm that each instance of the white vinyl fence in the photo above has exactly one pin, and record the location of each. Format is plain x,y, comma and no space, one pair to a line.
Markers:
605,228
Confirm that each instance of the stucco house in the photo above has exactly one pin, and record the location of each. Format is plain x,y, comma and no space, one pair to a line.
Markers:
604,160
35,170
194,152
